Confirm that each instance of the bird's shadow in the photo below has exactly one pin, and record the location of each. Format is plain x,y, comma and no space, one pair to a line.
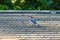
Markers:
44,27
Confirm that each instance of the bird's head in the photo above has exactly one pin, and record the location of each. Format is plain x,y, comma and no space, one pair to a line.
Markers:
31,16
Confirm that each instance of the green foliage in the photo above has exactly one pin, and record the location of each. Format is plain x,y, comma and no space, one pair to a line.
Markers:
4,7
17,8
29,4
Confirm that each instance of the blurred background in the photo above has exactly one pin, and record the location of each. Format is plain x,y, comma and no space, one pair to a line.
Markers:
29,4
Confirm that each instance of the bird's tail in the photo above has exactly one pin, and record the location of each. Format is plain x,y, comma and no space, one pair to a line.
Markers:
38,25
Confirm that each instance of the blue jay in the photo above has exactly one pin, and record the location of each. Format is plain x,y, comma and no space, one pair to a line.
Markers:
34,21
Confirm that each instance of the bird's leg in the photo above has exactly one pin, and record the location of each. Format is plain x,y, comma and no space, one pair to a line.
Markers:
33,25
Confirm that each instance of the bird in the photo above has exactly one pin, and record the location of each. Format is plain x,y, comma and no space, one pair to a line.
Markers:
32,20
